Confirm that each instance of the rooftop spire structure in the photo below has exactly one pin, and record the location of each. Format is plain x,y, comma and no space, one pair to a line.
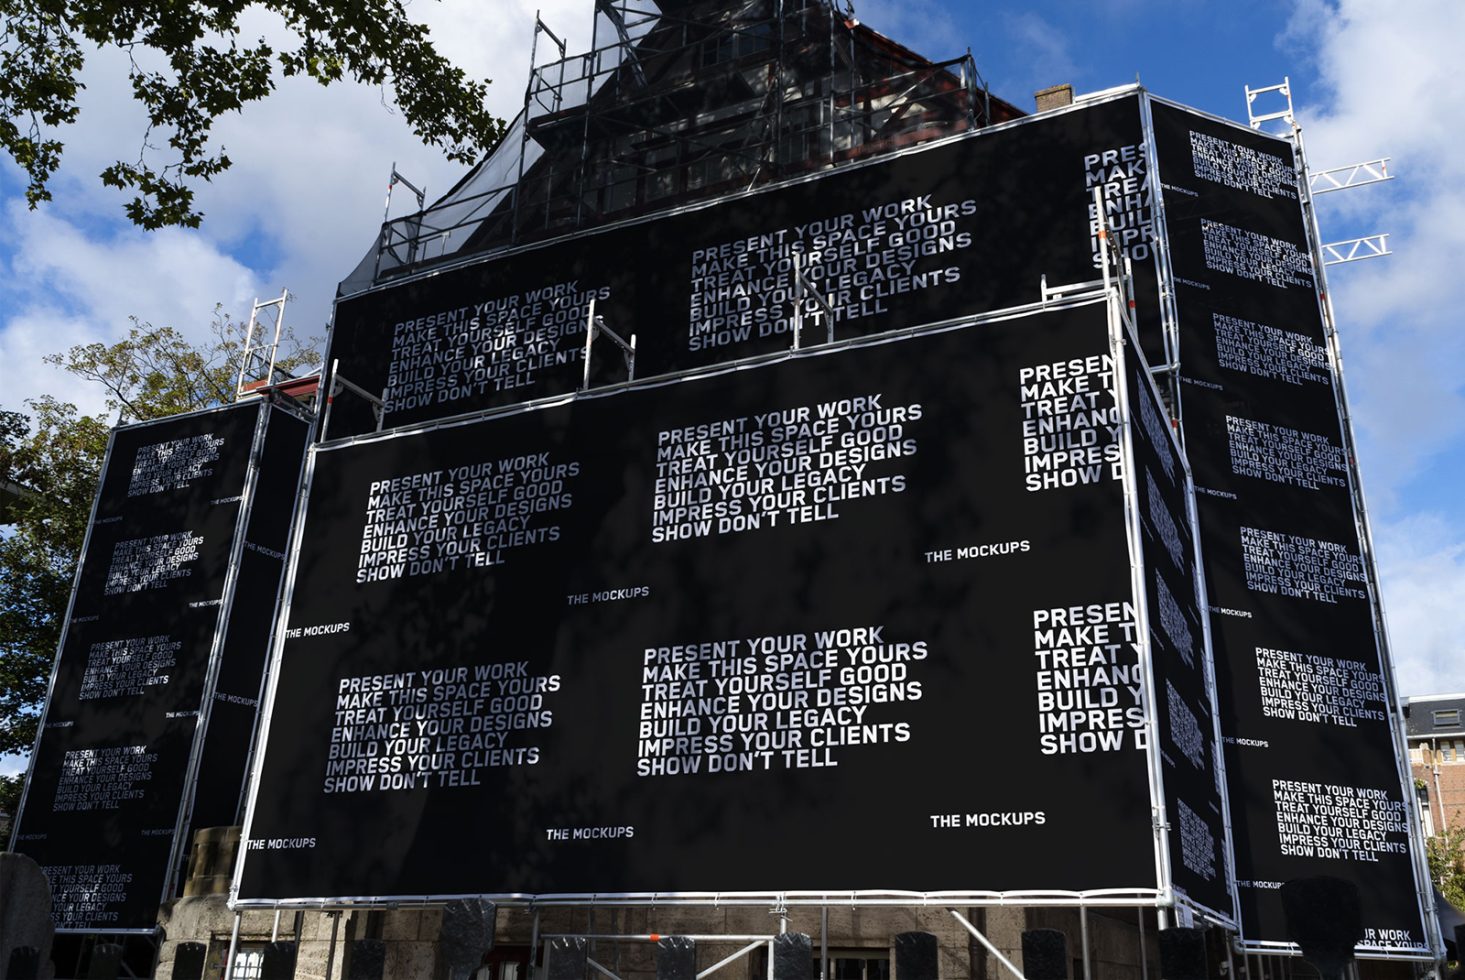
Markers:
683,102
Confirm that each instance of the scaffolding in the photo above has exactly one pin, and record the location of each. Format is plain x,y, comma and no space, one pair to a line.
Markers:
680,102
257,365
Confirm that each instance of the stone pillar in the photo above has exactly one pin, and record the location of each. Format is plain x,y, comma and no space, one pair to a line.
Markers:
1004,929
25,912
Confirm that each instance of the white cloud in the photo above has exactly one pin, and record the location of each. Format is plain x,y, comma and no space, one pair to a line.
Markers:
1422,566
183,272
65,287
311,163
1391,85
29,337
923,26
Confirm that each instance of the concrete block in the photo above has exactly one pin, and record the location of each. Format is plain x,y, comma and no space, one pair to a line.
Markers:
310,960
402,925
410,961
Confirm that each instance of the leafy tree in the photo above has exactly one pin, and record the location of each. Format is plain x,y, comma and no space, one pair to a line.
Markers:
156,371
55,454
190,65
1446,854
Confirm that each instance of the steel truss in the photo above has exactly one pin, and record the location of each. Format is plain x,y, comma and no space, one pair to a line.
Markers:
1354,249
1342,178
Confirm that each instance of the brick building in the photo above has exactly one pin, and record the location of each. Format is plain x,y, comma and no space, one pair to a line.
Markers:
1436,730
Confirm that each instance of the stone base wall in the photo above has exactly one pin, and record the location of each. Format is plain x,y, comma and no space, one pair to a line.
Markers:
412,938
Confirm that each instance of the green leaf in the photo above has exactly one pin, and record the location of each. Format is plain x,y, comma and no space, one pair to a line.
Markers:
208,70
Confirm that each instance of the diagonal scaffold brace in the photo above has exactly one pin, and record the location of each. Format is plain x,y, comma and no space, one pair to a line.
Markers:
804,289
595,326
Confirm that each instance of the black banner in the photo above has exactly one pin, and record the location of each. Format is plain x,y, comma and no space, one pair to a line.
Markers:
1313,775
234,710
1183,674
719,634
961,227
108,777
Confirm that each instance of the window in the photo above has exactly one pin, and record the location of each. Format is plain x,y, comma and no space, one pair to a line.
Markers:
733,44
1416,754
857,964
504,963
248,962
661,181
718,49
620,191
1446,719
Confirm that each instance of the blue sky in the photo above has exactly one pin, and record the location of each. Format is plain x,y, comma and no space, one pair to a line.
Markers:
304,198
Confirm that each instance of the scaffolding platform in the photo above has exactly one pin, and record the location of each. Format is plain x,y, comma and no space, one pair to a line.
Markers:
681,102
